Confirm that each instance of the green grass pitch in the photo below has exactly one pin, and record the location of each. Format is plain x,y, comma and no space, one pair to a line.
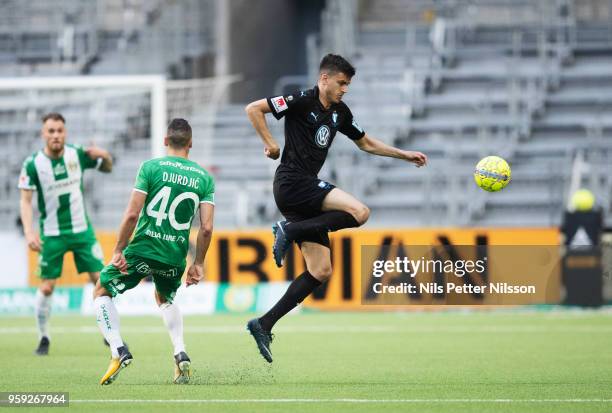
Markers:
502,361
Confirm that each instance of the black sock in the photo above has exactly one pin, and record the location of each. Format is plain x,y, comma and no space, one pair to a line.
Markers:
326,222
299,289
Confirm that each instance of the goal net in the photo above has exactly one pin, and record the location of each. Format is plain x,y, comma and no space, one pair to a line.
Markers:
127,115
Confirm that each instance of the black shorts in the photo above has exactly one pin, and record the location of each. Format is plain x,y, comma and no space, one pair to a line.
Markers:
300,197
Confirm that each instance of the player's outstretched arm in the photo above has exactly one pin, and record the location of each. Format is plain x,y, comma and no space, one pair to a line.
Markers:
256,111
128,223
25,209
196,271
377,147
95,152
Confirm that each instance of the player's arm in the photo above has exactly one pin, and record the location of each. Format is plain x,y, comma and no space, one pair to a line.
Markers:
95,153
256,111
25,209
196,271
377,147
128,223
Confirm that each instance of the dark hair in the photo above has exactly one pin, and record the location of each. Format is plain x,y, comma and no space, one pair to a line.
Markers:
333,63
53,116
179,133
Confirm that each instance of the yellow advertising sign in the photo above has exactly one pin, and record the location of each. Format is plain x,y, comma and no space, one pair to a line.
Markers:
245,257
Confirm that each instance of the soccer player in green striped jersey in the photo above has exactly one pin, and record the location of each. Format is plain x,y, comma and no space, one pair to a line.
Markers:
56,174
167,194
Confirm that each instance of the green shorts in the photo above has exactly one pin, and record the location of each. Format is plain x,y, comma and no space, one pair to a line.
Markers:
166,277
86,249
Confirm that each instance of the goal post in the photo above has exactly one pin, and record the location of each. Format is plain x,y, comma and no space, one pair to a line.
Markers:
155,84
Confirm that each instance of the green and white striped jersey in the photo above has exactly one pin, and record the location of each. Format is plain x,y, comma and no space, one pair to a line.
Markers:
59,184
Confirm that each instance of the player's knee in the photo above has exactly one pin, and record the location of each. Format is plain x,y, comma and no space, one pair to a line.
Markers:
100,291
94,277
46,289
160,299
361,214
322,272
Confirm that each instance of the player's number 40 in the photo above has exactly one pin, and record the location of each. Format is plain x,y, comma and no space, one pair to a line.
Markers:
162,198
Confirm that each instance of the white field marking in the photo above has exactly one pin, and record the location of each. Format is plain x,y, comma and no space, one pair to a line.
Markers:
333,329
561,313
373,401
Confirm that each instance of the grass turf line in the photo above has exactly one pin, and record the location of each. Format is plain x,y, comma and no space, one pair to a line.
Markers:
508,362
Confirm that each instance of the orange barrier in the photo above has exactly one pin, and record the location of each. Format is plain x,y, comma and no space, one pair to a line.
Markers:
245,257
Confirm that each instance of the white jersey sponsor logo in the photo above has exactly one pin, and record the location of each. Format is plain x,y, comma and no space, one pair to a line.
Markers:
59,169
322,136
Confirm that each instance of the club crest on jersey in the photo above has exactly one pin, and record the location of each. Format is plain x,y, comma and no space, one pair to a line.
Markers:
279,104
72,166
322,136
335,118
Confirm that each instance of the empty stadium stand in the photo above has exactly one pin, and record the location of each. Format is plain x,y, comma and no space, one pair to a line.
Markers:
527,80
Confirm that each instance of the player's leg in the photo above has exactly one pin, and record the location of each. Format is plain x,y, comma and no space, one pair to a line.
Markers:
107,316
318,270
340,210
165,290
43,312
51,260
111,283
173,319
88,257
340,201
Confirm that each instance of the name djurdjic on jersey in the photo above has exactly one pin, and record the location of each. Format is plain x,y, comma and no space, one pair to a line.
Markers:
180,179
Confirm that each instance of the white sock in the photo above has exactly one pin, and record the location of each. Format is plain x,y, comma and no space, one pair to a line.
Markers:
174,323
43,312
108,322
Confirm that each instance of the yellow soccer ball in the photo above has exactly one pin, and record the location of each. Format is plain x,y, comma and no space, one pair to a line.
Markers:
583,200
492,173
